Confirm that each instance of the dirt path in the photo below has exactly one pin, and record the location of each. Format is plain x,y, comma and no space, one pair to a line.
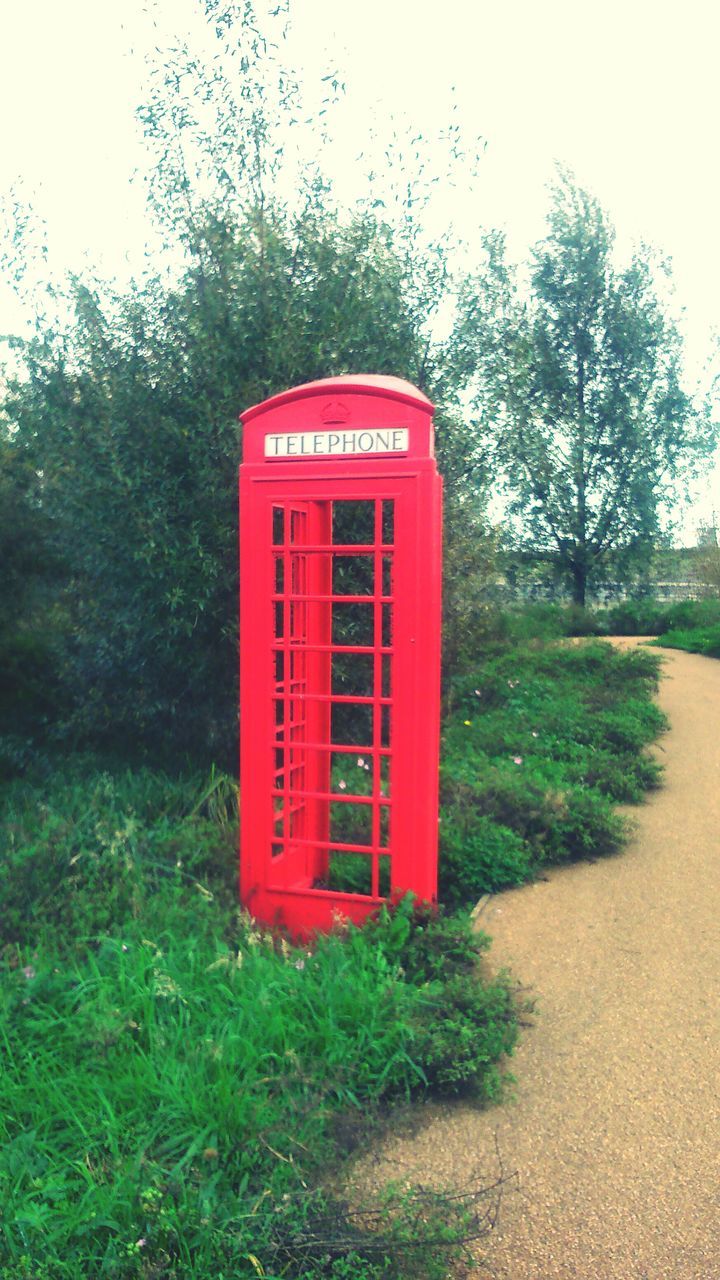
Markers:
615,1131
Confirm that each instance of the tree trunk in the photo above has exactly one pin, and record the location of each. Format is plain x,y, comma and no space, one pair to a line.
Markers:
579,584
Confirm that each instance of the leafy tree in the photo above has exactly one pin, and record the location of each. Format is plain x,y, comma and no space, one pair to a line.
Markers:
706,559
129,407
132,417
578,385
707,569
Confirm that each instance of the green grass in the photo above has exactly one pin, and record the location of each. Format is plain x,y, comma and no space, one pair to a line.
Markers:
173,1078
541,744
704,640
167,1091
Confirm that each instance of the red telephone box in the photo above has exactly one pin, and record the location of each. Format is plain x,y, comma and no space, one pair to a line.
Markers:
340,563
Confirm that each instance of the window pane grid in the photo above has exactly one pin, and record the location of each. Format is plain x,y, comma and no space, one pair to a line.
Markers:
302,572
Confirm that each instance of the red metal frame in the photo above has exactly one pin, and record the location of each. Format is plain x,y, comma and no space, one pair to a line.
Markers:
312,595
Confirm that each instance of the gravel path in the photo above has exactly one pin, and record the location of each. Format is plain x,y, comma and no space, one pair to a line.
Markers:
615,1130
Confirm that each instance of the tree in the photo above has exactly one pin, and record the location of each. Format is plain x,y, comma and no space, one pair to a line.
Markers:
707,532
578,384
127,401
706,559
132,417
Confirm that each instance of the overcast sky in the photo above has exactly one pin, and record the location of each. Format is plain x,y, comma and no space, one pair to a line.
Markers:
626,94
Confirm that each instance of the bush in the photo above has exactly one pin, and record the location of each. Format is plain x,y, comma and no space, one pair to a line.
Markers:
649,618
644,617
541,740
623,778
580,823
453,1053
703,640
479,855
463,1027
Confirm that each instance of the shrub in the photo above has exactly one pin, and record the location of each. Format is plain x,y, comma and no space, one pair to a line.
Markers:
579,621
648,617
478,854
454,1053
623,778
540,741
703,640
464,1026
580,823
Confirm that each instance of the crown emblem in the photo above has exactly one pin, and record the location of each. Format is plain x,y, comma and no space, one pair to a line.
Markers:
334,411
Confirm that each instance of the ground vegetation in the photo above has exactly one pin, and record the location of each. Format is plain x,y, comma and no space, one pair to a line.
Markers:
176,1083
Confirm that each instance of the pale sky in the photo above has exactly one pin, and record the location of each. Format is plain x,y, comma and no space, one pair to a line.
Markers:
625,93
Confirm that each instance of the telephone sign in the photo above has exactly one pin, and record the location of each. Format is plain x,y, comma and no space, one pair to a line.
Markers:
340,564
328,444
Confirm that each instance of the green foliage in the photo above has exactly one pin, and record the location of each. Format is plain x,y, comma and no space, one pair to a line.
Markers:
465,1026
479,853
649,618
87,850
130,407
645,617
706,567
579,386
470,619
541,742
23,533
704,640
132,416
172,1077
28,625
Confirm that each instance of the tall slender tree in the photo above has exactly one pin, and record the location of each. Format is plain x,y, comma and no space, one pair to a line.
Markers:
576,378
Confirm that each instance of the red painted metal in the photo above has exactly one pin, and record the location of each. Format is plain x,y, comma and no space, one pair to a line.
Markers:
340,567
